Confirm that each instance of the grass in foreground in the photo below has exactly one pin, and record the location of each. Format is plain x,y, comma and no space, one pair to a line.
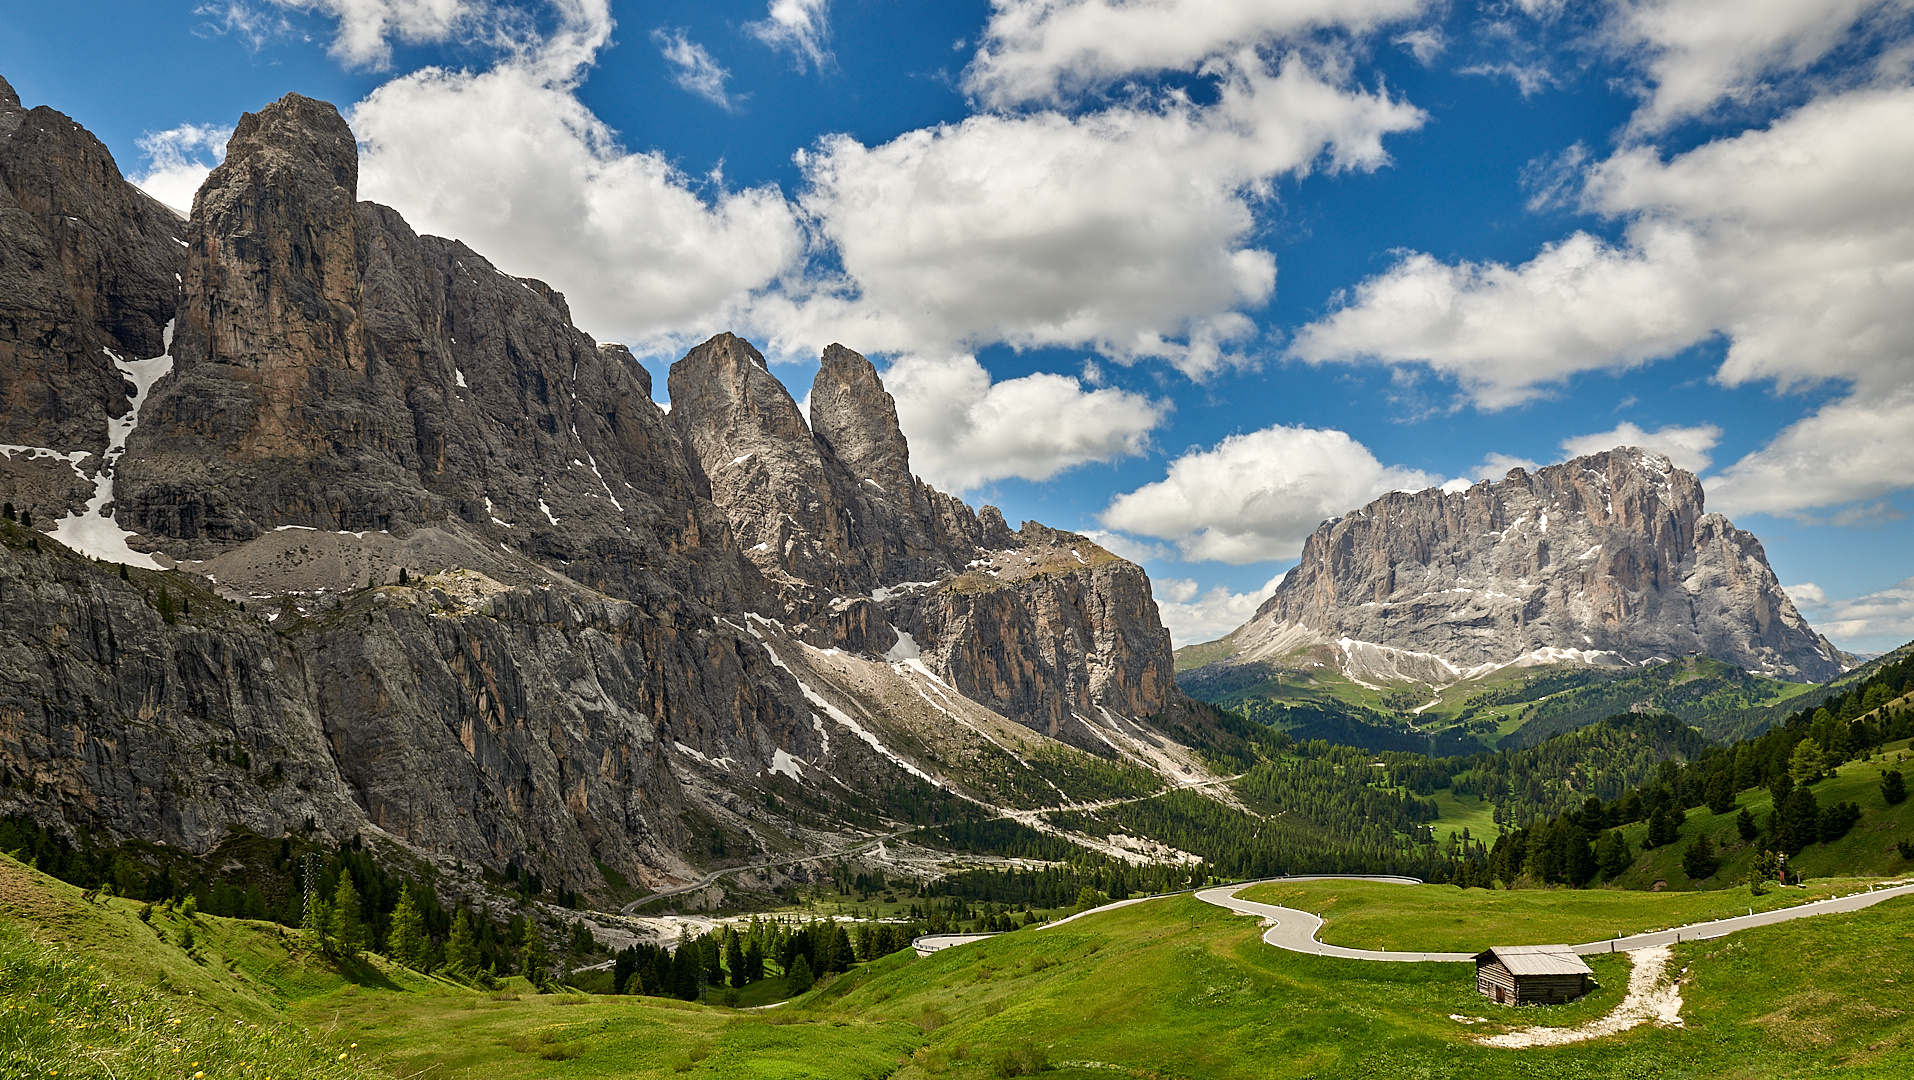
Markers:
1168,988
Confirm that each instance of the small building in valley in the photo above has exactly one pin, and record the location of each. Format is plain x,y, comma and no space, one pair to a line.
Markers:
1531,974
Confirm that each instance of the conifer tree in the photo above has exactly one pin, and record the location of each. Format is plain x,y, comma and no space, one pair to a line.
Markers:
461,948
1612,855
535,960
799,979
407,941
1894,787
1745,826
348,932
734,957
1807,764
318,922
1699,860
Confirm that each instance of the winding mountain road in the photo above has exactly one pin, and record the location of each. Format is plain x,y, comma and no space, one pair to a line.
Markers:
1296,930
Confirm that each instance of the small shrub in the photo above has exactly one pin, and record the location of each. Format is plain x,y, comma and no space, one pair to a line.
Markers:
1025,1059
931,1019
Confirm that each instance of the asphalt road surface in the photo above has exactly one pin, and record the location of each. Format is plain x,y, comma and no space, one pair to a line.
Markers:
1296,930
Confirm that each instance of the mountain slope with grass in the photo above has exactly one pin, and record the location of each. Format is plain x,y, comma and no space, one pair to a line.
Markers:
1170,987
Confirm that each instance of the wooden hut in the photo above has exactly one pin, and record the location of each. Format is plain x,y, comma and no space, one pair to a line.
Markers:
1531,974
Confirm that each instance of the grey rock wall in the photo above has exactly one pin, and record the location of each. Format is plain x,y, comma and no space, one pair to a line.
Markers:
1611,554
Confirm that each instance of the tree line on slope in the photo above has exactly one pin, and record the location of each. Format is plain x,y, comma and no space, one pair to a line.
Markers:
1584,846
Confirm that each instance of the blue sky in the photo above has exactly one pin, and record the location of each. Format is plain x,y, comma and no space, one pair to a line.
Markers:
1189,274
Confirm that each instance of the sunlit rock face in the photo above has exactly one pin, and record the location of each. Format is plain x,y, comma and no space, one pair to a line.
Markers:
1608,559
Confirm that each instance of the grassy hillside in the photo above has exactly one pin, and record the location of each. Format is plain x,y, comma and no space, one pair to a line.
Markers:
1868,850
1443,918
1178,988
1511,708
1168,988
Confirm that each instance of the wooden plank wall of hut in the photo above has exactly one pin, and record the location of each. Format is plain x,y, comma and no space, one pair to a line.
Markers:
1527,989
1549,989
1490,977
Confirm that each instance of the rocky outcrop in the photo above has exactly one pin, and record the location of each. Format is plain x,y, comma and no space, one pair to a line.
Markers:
88,264
1051,629
335,371
1609,558
1044,627
537,725
633,627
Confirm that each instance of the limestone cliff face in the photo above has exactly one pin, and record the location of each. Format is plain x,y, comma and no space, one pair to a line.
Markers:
861,549
1608,558
1048,628
545,721
87,265
633,625
335,371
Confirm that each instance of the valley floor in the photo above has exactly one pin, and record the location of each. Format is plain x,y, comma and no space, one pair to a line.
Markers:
1171,987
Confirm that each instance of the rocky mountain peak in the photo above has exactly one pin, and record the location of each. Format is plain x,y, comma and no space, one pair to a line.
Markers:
1609,558
8,98
295,138
749,439
723,396
857,419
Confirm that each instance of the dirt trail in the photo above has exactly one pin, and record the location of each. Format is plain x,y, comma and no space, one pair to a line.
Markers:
1652,998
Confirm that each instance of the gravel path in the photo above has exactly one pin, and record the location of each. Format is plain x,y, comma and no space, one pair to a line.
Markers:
1652,998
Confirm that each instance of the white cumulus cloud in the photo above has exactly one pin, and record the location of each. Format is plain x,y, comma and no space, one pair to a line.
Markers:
799,27
367,28
511,162
1192,616
1504,333
966,430
178,160
1795,242
1872,622
696,70
1127,230
1258,496
1688,447
1851,449
1699,53
1045,50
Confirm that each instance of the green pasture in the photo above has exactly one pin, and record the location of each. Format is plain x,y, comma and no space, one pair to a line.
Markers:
1168,988
1444,918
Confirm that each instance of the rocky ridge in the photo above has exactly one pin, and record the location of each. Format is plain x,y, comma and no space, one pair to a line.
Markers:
1607,559
88,267
628,638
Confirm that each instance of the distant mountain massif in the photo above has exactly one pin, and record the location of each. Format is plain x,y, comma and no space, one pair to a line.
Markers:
1434,602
